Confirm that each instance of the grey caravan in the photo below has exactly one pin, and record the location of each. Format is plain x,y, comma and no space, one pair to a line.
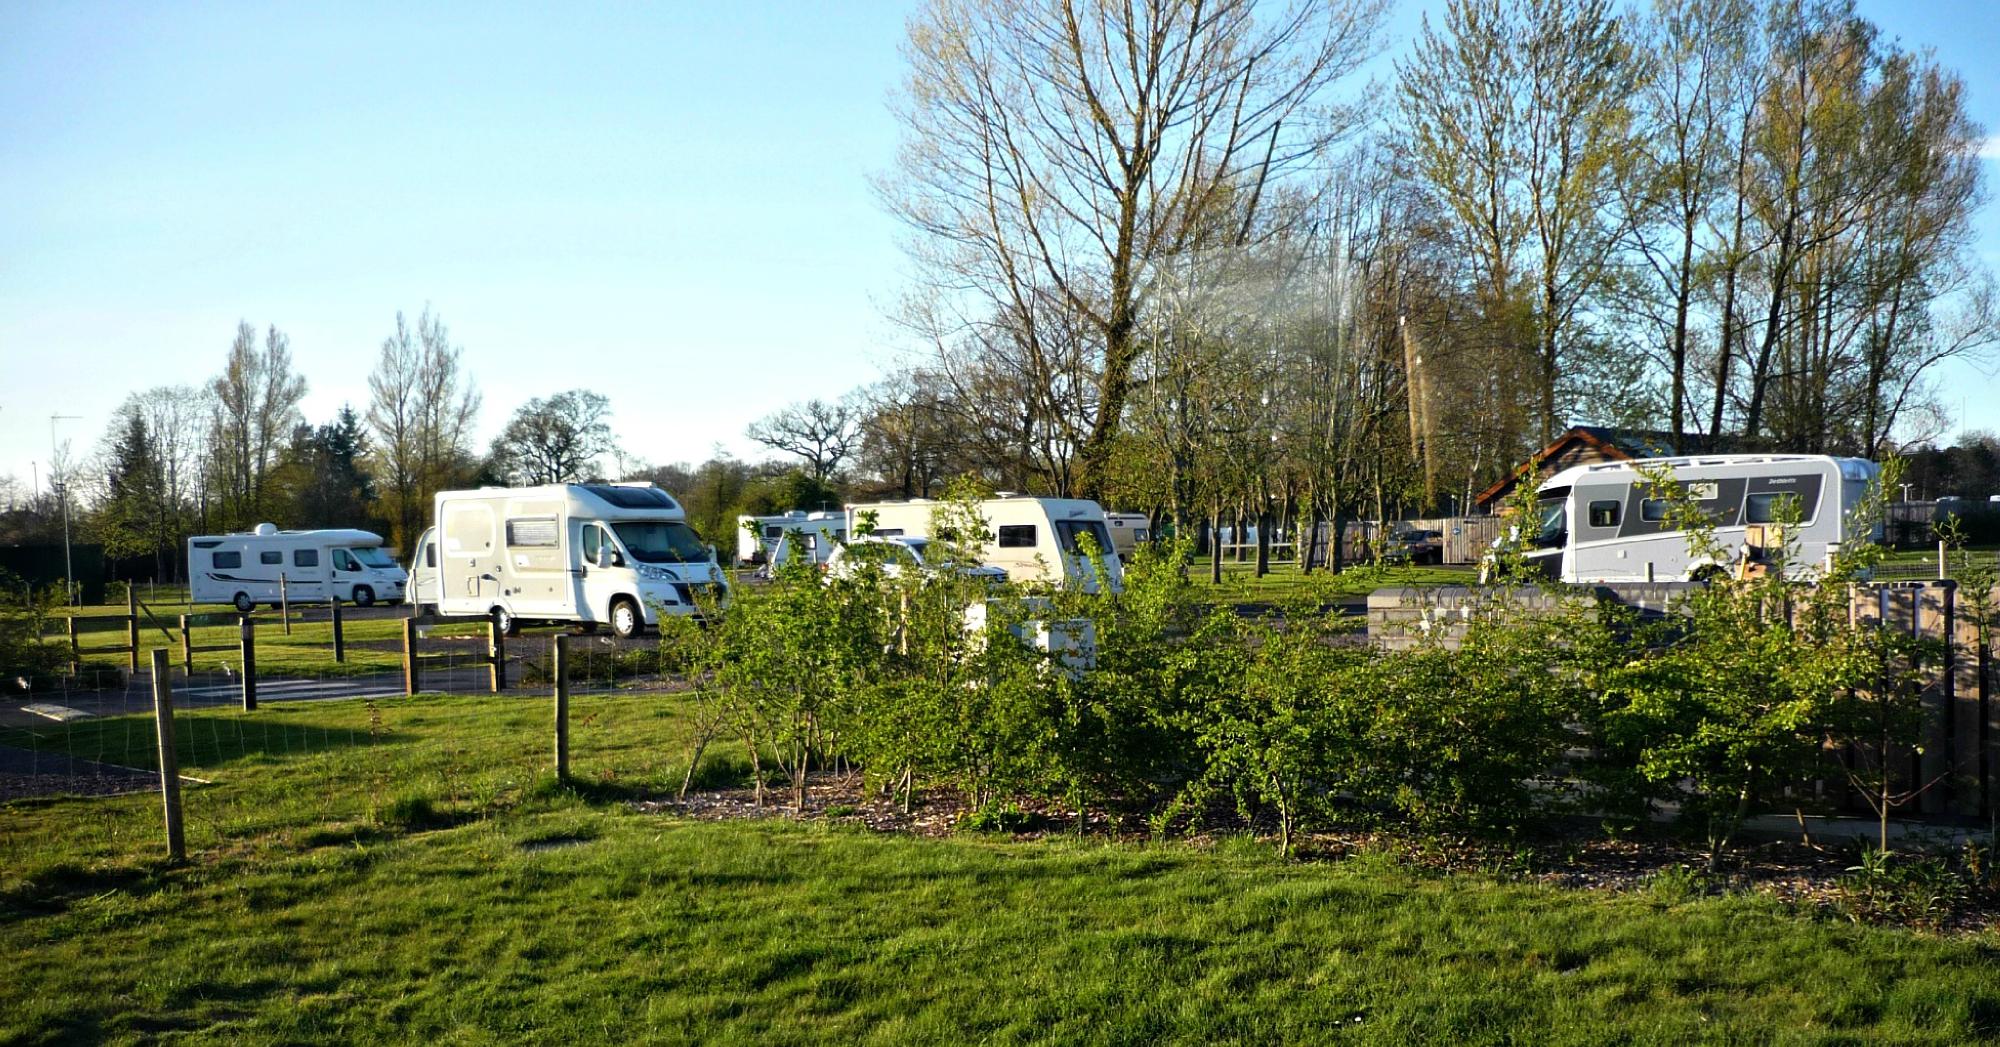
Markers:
1599,523
619,554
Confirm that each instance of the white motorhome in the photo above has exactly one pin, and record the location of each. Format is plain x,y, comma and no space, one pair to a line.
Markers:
250,568
1033,539
1129,531
767,539
1600,523
422,592
620,554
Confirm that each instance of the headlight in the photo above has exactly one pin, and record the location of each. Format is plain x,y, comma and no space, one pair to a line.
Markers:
655,574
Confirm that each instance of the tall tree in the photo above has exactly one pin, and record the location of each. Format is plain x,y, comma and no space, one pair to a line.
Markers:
1065,147
256,405
555,439
821,433
421,410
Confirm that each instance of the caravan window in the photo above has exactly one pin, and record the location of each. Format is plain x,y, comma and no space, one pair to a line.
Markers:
227,561
305,558
1070,533
1604,514
430,555
774,532
1763,508
1653,510
1017,536
271,556
532,533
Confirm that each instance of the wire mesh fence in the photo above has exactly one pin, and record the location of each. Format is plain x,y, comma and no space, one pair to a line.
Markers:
410,724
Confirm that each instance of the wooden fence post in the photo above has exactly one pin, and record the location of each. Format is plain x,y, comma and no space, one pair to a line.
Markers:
561,660
284,603
132,629
339,639
409,656
496,654
249,646
170,768
187,647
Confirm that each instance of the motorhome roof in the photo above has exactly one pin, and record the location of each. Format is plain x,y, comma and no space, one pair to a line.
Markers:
330,534
1569,476
608,501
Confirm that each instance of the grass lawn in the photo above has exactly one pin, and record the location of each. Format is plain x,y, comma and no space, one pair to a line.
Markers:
374,644
1240,583
404,871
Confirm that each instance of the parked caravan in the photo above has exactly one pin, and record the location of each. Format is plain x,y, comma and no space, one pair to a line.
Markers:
620,554
1033,539
767,539
249,568
1129,531
422,592
1599,523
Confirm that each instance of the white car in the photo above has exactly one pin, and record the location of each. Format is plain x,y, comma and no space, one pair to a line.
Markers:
894,555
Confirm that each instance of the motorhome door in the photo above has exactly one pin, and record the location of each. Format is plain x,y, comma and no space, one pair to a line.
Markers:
470,567
305,572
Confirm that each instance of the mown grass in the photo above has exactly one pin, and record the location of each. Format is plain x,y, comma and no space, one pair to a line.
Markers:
373,644
1240,584
406,871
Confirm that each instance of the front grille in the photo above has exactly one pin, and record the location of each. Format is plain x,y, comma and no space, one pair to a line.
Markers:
686,591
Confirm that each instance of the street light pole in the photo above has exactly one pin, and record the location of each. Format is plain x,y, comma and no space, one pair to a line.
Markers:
62,494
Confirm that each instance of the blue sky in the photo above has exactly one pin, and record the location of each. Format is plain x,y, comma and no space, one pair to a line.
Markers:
667,203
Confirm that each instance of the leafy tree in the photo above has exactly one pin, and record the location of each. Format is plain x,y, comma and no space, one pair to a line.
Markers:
556,439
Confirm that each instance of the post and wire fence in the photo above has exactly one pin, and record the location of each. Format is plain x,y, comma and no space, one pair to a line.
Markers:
357,721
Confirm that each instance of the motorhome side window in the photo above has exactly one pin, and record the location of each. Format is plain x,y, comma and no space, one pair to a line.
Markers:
345,561
1764,508
593,540
227,561
271,556
532,533
1604,514
1653,510
305,558
1017,536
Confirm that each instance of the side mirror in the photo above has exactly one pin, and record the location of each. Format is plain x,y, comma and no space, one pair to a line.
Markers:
603,556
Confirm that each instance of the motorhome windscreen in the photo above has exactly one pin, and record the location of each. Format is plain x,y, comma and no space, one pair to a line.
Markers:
1070,533
660,542
373,556
1550,529
632,497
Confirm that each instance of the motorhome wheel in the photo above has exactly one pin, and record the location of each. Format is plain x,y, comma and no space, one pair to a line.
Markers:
364,596
244,603
625,620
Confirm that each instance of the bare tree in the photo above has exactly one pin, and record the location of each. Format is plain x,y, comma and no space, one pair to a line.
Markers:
255,406
421,408
556,439
1063,147
822,434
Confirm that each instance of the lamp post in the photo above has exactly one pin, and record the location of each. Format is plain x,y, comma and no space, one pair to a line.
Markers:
61,488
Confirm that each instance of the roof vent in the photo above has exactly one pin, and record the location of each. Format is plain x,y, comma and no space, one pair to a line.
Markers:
265,530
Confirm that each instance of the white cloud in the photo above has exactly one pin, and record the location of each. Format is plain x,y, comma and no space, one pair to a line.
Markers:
1990,149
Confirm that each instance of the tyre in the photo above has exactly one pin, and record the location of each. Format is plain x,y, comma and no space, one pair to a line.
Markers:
626,621
364,596
509,625
244,603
